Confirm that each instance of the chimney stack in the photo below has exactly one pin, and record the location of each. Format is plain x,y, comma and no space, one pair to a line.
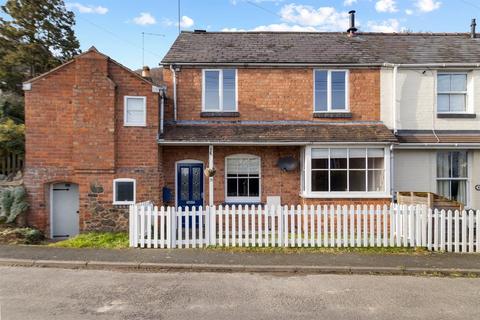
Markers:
472,29
146,72
351,31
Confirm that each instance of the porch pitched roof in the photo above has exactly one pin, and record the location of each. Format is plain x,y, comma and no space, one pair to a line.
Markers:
439,136
277,133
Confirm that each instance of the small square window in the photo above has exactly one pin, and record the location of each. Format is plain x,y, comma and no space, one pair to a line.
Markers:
123,191
135,113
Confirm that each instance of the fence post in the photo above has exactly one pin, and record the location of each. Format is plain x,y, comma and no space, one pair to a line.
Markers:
171,227
212,218
131,225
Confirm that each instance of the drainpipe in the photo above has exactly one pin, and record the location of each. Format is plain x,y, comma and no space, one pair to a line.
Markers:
392,171
210,179
172,69
394,98
162,110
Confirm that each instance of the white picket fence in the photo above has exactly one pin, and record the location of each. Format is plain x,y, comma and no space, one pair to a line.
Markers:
305,226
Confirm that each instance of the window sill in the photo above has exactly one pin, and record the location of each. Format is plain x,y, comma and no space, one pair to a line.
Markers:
123,203
330,115
142,125
219,114
345,195
456,115
249,203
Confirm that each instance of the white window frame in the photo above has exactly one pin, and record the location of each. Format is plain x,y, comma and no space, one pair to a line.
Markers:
308,193
329,91
125,122
467,179
244,199
468,108
220,88
115,191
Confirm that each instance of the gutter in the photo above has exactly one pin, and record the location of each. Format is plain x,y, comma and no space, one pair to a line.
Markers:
436,145
262,143
353,65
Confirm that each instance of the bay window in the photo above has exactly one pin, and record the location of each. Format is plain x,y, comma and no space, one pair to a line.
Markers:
345,172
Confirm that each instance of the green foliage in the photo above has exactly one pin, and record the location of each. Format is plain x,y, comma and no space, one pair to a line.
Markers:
107,240
31,236
12,137
12,107
35,36
20,236
13,202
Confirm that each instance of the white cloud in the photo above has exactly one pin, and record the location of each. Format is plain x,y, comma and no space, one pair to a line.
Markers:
386,6
323,18
409,12
145,19
427,5
87,9
186,22
347,3
390,25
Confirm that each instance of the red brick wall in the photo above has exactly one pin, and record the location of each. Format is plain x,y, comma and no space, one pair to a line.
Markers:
75,133
274,182
275,94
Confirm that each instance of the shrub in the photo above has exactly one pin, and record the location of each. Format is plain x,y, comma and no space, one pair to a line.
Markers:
13,203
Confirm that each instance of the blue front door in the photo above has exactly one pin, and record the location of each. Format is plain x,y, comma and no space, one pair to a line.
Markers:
189,185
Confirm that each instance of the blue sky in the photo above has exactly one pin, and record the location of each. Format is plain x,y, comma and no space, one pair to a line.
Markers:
115,26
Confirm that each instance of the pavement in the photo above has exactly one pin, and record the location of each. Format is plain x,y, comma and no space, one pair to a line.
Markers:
58,294
198,260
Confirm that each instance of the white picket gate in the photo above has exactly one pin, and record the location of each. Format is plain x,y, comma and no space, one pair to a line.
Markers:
305,226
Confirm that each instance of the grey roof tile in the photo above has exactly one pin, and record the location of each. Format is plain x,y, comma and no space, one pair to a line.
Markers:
323,48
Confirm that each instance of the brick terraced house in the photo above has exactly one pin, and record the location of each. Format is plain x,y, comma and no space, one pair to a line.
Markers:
255,118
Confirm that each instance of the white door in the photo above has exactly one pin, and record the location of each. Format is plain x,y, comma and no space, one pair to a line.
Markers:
65,206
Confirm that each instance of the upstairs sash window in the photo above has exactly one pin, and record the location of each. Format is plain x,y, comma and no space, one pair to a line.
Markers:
451,92
220,90
331,90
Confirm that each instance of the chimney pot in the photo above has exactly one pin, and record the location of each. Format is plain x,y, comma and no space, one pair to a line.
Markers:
351,31
472,29
146,72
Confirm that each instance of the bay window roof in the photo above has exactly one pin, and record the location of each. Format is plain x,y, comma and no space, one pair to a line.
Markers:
277,133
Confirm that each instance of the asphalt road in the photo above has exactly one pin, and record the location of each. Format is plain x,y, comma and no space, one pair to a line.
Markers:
35,293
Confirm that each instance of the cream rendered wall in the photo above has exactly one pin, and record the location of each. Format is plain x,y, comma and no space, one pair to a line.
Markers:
416,101
475,179
415,170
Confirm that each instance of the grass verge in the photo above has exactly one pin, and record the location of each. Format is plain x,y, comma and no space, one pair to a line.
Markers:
106,240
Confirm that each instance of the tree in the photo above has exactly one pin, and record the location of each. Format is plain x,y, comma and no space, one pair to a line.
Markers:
11,107
37,36
12,138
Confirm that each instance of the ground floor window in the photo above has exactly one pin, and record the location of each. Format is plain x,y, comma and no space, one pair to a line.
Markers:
337,171
452,175
123,191
242,175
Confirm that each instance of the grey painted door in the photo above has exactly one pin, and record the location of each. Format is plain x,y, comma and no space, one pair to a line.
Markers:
65,206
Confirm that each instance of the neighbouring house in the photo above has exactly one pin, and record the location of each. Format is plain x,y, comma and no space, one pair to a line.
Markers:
287,118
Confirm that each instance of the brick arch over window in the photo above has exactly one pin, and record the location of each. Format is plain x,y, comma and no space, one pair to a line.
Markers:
242,178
